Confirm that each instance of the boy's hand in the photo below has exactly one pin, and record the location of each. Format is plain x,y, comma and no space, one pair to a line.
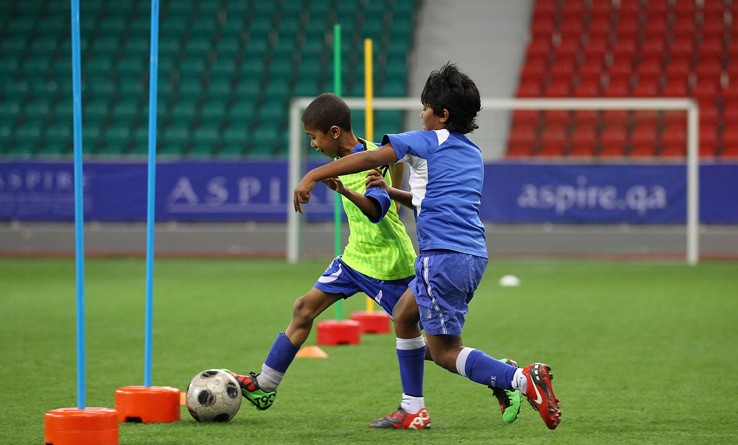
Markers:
374,178
301,195
335,184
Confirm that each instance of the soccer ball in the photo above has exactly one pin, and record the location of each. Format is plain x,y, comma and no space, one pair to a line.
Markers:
213,396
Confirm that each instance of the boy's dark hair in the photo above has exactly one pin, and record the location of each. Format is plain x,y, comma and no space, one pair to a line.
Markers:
453,90
326,111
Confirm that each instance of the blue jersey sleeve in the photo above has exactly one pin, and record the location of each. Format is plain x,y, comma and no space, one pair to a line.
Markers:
381,197
417,143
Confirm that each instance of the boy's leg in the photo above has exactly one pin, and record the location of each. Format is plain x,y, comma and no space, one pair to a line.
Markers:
411,351
261,389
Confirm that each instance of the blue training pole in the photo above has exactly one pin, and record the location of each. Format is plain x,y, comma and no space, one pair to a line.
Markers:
151,201
79,214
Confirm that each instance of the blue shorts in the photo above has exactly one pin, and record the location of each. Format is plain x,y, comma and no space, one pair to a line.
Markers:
444,285
342,279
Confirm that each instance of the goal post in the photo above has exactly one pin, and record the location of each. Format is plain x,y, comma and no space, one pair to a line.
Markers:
296,151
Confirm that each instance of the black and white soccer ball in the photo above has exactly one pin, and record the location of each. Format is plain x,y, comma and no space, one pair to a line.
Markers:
213,396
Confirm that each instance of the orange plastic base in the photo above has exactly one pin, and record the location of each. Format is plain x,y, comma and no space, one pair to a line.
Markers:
373,322
89,426
339,332
147,404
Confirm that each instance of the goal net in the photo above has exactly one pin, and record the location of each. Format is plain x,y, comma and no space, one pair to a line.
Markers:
501,114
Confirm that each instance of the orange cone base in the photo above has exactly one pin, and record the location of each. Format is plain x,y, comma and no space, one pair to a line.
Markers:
373,322
89,426
339,332
311,352
147,404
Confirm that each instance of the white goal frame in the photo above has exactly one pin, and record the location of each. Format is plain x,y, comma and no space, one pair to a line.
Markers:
689,105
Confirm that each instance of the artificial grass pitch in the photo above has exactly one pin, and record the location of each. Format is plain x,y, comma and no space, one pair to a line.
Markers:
640,352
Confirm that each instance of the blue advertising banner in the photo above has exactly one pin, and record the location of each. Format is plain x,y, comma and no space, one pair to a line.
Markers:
258,191
599,193
185,191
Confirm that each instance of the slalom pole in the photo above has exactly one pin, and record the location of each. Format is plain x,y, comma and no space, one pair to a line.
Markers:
151,198
337,208
369,113
79,215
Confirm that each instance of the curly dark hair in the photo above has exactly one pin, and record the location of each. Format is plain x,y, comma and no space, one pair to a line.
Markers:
453,90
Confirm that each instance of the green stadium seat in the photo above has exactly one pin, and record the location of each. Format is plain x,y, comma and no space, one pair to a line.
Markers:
219,89
13,45
278,89
198,46
132,87
118,135
22,25
213,112
241,114
190,87
281,69
247,90
288,27
192,66
263,141
134,65
235,135
112,25
10,109
29,131
184,111
223,67
229,46
169,45
98,65
205,140
137,45
126,109
174,140
273,111
306,87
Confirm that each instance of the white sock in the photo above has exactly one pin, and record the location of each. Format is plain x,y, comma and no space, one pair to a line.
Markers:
269,379
412,404
519,381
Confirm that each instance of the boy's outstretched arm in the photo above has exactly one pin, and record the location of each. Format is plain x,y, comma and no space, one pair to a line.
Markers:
355,163
368,206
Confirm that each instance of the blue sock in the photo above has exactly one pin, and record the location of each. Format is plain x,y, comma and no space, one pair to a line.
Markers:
411,355
281,354
481,368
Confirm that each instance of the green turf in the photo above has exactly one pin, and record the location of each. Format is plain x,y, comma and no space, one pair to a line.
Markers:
641,352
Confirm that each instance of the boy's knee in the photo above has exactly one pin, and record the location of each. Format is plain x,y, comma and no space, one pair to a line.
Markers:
301,310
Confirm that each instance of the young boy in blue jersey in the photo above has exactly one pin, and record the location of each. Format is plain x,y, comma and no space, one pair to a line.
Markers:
446,178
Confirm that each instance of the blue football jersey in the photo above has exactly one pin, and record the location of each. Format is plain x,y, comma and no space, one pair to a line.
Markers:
447,193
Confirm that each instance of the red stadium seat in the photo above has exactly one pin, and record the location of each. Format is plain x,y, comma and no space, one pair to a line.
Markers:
617,88
558,88
674,139
521,141
530,88
552,141
613,140
525,117
682,48
708,141
583,140
644,140
587,89
559,118
675,88
562,70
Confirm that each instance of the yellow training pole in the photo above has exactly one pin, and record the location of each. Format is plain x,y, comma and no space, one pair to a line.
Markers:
369,113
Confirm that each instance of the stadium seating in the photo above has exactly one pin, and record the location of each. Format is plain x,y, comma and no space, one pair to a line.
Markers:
631,48
227,71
